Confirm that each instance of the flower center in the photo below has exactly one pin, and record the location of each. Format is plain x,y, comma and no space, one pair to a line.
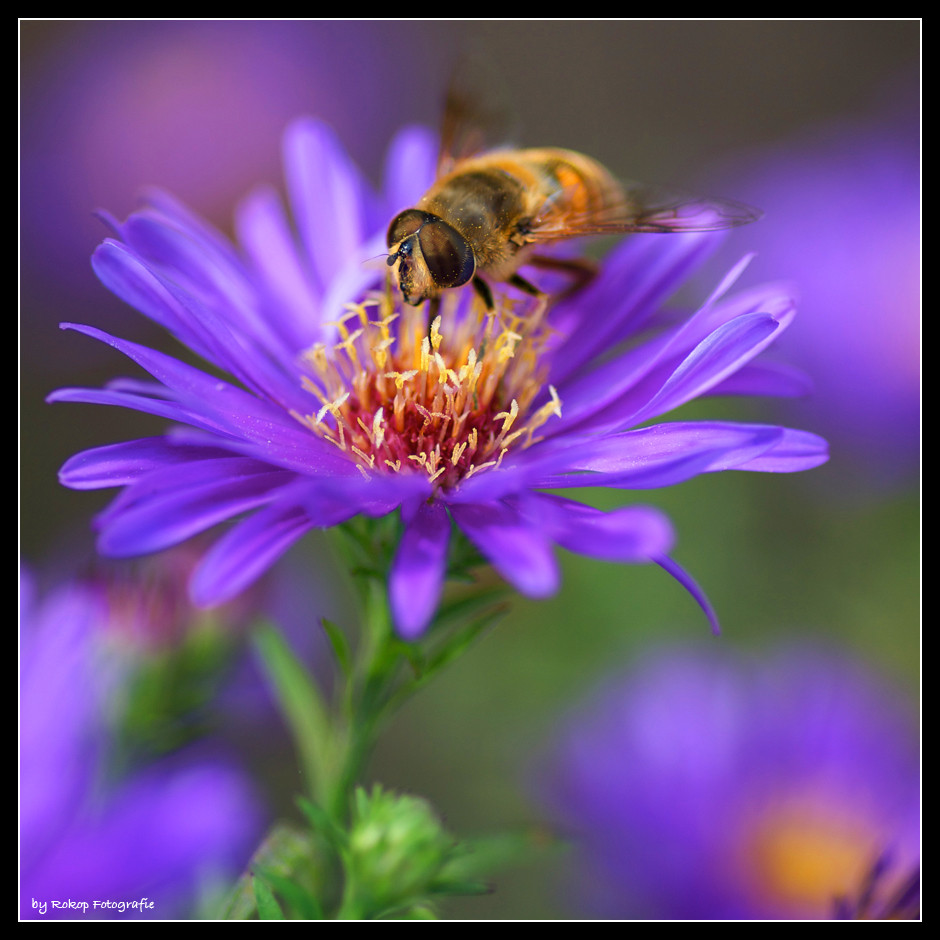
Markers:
396,396
807,850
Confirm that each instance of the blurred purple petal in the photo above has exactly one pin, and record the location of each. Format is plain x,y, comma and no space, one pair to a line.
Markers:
288,287
85,836
766,378
328,194
410,168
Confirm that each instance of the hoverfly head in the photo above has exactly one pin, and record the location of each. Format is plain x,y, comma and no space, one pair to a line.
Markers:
431,255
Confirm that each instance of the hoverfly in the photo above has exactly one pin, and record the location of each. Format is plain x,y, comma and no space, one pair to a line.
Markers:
489,212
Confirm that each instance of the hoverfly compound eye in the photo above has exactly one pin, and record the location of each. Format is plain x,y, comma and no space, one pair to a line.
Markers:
447,254
404,225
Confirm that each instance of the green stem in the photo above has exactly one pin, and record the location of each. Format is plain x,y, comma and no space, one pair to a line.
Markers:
367,694
334,739
302,706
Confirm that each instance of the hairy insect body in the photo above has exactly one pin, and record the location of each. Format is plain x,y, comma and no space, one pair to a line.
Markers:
487,214
498,200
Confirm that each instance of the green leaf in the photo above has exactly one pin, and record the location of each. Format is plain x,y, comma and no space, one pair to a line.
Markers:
303,905
418,912
268,908
286,851
461,639
449,886
447,650
322,823
455,610
340,646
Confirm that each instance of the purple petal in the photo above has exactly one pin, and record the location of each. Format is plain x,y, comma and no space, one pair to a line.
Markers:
177,214
174,503
289,447
265,235
172,410
123,273
328,196
61,691
362,270
203,330
410,168
632,534
729,280
215,279
157,836
185,379
639,275
597,392
775,379
714,359
517,548
373,495
246,552
417,573
119,464
618,393
689,583
664,382
666,454
775,299
796,450
219,406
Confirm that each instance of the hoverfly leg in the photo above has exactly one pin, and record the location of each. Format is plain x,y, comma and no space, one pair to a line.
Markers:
434,308
520,283
580,270
483,292
525,286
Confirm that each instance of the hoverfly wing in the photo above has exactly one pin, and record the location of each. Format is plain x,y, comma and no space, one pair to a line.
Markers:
660,211
472,122
643,208
462,134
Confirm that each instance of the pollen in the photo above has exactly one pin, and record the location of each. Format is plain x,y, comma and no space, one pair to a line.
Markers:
449,401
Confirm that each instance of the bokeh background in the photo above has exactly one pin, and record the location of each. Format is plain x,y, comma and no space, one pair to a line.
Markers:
730,107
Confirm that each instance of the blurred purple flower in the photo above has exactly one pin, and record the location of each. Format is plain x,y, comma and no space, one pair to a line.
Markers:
195,104
698,786
843,222
345,404
162,832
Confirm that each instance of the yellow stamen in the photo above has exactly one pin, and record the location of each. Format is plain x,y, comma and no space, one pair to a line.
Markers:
450,402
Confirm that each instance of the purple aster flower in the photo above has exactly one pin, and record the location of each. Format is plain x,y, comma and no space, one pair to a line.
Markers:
197,105
341,401
701,786
159,832
858,273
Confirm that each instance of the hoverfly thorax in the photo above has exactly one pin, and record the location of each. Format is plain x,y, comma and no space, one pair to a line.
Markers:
431,255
